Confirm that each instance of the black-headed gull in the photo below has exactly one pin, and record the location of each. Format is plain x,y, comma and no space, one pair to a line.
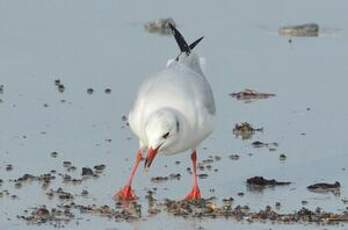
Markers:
174,111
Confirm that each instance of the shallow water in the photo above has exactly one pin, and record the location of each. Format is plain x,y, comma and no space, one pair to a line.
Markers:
104,45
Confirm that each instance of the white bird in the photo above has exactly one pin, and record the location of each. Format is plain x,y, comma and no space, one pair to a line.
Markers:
174,111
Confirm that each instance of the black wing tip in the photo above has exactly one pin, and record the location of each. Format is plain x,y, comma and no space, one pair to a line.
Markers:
172,27
195,43
180,40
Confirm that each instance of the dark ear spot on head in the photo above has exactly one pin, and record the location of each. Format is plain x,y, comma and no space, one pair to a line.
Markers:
177,125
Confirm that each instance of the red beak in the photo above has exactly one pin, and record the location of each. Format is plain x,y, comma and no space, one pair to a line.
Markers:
151,153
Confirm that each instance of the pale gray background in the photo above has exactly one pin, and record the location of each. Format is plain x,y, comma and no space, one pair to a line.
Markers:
102,44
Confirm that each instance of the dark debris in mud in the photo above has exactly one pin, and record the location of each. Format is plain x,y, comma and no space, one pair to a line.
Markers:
42,215
207,208
258,182
107,91
249,95
282,157
90,91
60,194
234,157
245,130
45,179
325,187
65,213
9,167
172,176
259,144
202,208
60,86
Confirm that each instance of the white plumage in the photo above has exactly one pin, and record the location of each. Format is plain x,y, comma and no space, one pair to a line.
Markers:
174,111
182,88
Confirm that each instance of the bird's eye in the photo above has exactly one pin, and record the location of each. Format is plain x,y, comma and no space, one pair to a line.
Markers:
165,135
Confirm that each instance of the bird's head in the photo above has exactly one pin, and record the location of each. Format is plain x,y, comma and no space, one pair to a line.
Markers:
162,132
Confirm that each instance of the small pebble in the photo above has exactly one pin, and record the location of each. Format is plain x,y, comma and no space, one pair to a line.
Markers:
18,185
71,168
203,176
234,157
277,204
9,167
100,167
66,177
66,163
282,157
61,88
240,194
57,82
124,118
90,91
107,90
54,154
217,158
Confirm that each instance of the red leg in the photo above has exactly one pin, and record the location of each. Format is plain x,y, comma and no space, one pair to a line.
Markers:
195,193
127,192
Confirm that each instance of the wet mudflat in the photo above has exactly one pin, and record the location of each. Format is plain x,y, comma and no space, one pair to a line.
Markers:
65,147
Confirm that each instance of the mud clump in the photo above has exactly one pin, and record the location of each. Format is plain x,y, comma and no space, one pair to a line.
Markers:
249,95
87,172
201,208
99,168
67,164
203,176
304,30
260,182
4,193
54,154
160,26
60,193
245,130
60,86
132,211
42,215
159,179
9,167
206,208
325,187
234,157
90,91
107,91
282,157
44,178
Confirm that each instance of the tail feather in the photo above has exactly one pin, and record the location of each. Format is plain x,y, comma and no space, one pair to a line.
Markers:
180,40
184,47
193,44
